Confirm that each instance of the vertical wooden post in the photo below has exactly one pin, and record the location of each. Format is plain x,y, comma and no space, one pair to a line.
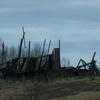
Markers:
47,56
59,44
20,47
49,46
42,53
21,42
29,49
59,54
93,57
3,49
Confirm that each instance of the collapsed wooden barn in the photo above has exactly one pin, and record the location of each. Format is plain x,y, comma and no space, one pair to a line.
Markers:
46,65
31,66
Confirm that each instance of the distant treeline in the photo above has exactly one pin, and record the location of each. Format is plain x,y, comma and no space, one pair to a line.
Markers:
11,52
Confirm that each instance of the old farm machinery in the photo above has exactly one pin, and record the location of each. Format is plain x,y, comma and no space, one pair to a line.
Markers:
83,69
89,67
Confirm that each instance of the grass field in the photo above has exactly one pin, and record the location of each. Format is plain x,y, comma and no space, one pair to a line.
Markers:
82,96
60,89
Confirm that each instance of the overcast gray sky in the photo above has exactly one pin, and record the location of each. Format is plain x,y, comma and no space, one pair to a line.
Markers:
75,22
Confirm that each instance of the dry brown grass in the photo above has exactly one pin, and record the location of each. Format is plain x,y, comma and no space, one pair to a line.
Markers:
16,90
81,96
61,89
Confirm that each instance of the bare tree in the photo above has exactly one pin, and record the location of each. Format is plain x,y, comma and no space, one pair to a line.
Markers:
65,62
32,53
24,52
68,62
5,53
36,50
12,52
